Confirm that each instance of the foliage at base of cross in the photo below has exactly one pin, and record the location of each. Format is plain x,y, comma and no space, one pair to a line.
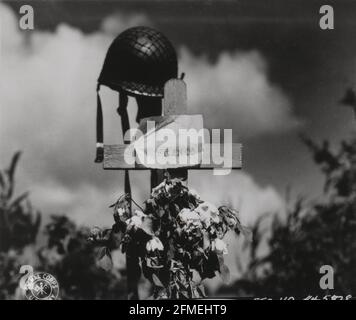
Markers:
177,237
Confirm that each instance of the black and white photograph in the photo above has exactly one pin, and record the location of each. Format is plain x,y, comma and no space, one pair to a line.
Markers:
200,151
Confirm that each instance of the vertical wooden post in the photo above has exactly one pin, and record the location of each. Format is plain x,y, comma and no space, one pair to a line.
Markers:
131,256
174,103
147,107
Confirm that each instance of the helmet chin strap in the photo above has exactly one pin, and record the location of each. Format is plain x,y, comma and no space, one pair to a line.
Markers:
147,106
99,129
125,125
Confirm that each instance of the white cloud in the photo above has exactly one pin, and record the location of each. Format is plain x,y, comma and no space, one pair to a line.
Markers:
235,93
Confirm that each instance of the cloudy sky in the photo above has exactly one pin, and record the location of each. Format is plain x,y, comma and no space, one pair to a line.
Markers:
264,69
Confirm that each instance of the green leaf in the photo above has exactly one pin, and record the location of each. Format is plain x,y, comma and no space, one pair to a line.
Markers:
161,212
177,209
19,199
116,238
2,181
156,281
106,261
101,252
13,164
200,249
225,273
106,234
183,294
11,172
195,293
153,263
220,257
196,277
201,290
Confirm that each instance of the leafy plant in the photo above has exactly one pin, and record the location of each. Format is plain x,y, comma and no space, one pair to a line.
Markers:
19,223
312,235
59,247
177,237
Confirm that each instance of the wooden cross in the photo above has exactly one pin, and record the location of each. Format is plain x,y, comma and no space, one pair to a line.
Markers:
174,104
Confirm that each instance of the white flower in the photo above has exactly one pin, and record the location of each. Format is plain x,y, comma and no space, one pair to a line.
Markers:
187,216
168,187
194,193
157,190
192,225
140,214
134,221
95,233
120,211
219,246
154,244
208,213
204,218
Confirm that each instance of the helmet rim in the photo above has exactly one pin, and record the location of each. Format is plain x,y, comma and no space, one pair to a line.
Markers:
139,67
133,88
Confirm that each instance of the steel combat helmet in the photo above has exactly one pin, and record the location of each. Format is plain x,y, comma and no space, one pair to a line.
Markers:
138,63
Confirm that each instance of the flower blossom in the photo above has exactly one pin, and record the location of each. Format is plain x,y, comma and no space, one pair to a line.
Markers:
230,216
121,214
187,216
207,213
154,244
140,214
219,246
95,234
194,194
134,221
120,211
157,190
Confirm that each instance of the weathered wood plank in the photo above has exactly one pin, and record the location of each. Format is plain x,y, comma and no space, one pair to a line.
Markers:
114,159
175,97
174,103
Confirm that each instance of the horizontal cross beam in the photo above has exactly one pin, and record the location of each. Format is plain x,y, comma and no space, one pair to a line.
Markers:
114,159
